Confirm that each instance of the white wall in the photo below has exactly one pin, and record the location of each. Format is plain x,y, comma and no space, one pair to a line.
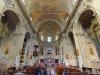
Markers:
1,5
14,45
69,50
83,44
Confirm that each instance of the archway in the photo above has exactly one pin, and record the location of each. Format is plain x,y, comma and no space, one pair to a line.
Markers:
27,36
86,19
71,36
49,34
11,19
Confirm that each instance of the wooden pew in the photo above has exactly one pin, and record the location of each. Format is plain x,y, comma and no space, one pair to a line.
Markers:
78,73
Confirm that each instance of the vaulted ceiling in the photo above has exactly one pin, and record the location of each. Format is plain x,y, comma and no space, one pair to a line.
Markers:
48,16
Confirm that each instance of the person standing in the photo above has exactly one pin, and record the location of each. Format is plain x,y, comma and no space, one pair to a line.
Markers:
38,71
45,71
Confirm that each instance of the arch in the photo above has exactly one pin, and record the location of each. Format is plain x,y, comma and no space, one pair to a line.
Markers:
87,8
71,36
11,19
96,42
46,20
27,36
49,28
86,18
51,23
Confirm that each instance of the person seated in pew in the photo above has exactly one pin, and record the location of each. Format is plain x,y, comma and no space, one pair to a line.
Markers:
65,72
20,72
38,70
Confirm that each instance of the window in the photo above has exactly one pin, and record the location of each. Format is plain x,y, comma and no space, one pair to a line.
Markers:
74,1
49,39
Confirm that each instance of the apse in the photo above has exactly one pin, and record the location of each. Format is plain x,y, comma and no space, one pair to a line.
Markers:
49,31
